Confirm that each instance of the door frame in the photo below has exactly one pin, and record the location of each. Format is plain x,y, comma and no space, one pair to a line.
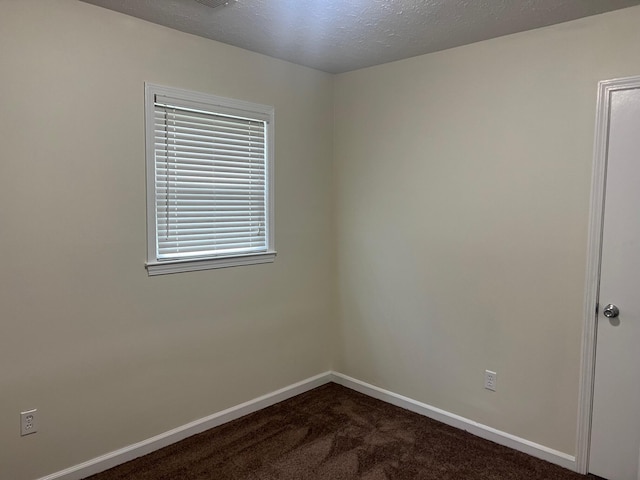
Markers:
594,250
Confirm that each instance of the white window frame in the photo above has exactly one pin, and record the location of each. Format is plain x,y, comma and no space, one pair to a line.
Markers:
219,105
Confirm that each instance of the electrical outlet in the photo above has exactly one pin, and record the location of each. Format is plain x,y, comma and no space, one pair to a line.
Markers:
490,379
29,422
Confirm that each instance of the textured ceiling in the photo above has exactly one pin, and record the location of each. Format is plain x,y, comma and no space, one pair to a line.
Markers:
342,35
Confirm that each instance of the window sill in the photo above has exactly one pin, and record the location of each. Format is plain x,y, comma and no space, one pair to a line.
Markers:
179,266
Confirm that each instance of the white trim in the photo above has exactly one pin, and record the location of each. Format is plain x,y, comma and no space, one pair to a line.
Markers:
118,457
478,429
207,100
177,266
594,246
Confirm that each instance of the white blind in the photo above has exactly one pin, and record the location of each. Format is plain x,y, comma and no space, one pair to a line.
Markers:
210,175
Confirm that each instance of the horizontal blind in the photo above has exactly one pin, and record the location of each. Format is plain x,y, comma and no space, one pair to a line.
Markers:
210,174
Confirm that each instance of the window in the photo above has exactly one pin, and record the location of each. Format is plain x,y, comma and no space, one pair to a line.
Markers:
209,181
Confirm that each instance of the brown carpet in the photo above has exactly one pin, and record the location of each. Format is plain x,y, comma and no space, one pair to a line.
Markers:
333,433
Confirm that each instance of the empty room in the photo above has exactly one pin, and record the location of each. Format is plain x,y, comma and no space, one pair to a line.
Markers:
400,206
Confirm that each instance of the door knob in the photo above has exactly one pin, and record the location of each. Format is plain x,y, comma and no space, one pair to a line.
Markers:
611,311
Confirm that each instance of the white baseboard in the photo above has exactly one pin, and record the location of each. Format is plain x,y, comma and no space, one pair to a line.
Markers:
117,457
483,431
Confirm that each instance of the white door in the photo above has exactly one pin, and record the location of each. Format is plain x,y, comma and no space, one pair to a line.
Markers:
615,430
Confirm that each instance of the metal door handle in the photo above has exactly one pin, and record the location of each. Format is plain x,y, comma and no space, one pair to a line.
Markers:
611,311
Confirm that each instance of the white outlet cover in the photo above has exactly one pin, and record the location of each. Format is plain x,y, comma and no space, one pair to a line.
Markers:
490,380
28,422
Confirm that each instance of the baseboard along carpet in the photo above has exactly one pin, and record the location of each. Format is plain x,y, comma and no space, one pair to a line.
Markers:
334,433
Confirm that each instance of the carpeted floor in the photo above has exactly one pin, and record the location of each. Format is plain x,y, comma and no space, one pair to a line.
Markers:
333,433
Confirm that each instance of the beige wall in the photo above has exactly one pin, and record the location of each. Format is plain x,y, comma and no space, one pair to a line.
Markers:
107,354
459,187
463,182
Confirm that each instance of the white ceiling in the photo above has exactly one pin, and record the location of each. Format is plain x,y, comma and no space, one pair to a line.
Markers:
341,35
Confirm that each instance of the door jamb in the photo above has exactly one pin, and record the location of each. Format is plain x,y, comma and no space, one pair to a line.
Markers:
594,248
